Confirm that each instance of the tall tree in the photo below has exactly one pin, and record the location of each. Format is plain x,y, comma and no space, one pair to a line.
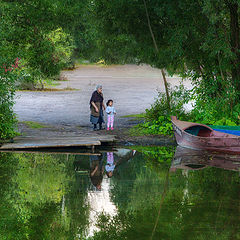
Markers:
33,31
198,37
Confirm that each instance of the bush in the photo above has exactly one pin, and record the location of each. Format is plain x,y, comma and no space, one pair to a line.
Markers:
7,90
157,120
63,47
178,97
215,112
207,110
45,57
214,100
7,121
26,77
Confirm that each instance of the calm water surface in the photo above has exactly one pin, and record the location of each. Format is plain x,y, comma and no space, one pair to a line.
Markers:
126,194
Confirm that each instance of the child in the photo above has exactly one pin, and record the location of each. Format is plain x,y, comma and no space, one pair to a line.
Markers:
110,110
110,164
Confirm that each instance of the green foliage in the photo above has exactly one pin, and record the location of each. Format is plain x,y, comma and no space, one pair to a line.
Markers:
7,121
102,38
196,39
214,110
8,66
42,39
40,197
63,44
157,118
7,89
34,124
141,115
214,102
35,35
161,126
45,57
190,35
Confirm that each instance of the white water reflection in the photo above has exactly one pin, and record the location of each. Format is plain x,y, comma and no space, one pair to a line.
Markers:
100,202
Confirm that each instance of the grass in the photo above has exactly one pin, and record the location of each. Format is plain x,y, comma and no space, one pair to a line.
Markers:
138,131
141,115
34,125
51,82
50,90
49,85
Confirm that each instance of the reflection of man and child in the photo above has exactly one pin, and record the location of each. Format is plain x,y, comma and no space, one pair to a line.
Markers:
97,107
97,168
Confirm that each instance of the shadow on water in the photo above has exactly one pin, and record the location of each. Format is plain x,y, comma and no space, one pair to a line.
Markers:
140,193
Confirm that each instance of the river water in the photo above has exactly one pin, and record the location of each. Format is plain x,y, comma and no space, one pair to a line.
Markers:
142,193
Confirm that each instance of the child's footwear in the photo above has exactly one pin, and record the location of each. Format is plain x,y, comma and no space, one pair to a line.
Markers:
107,129
111,128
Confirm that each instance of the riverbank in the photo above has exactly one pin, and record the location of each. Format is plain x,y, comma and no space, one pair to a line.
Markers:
123,135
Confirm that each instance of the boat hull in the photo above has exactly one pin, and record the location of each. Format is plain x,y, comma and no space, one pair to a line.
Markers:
216,141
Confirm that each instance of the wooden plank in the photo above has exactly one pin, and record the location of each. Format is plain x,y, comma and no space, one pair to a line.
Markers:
72,136
25,142
57,141
50,152
50,143
103,139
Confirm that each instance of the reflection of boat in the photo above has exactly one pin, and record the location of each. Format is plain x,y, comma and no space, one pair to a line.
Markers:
199,136
194,159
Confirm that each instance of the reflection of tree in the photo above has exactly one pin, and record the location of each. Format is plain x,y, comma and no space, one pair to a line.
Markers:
40,178
40,200
212,204
145,174
198,205
78,211
123,181
10,225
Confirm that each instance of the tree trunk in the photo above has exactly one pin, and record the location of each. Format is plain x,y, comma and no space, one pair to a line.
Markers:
235,44
156,48
166,88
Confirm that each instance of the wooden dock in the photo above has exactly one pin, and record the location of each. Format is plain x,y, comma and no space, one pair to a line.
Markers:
21,143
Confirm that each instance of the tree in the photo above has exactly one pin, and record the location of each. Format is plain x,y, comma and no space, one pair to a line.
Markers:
195,38
36,34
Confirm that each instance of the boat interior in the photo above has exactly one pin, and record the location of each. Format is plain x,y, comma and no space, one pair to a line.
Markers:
198,130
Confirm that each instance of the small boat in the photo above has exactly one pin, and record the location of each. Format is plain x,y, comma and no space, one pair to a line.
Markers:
202,137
